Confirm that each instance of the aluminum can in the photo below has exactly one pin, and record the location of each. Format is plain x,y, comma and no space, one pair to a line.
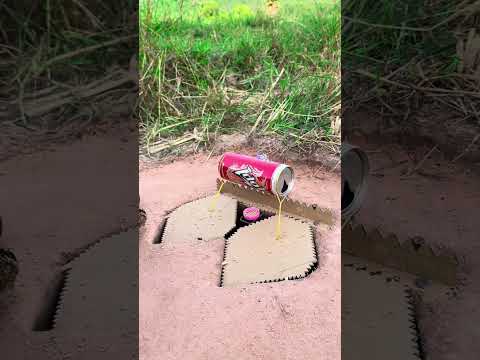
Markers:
355,172
256,173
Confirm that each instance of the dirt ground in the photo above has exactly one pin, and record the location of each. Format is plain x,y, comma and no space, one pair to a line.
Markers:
184,314
439,202
53,203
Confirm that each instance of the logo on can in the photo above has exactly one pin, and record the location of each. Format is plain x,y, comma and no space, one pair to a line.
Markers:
249,175
258,174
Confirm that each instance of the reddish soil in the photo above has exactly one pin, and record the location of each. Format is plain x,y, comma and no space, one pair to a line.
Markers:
184,314
439,201
52,203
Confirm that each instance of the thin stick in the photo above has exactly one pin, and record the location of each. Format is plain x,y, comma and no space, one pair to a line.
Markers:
177,124
156,149
419,165
86,50
419,88
467,149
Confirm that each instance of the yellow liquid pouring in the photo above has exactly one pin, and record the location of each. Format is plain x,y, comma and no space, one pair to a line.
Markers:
213,204
278,229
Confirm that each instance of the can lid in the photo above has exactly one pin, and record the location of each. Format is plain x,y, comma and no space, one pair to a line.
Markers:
282,180
251,213
355,170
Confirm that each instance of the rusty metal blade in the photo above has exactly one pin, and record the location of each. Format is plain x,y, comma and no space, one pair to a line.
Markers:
291,207
413,256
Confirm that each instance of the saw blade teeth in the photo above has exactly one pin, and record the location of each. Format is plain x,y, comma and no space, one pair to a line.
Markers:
194,220
413,319
292,206
61,295
414,256
87,249
161,231
238,253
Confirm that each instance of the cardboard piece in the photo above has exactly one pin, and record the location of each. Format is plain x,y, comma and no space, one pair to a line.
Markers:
194,222
378,321
254,255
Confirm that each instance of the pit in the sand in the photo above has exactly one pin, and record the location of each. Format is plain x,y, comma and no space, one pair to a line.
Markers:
252,253
262,243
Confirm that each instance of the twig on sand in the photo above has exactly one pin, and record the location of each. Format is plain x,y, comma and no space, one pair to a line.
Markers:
467,149
211,152
420,164
160,147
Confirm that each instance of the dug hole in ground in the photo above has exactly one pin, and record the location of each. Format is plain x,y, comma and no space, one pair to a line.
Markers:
56,205
184,313
433,199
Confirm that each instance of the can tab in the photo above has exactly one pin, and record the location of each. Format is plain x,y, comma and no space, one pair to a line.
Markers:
262,157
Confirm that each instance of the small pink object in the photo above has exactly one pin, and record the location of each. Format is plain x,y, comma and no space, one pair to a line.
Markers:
251,214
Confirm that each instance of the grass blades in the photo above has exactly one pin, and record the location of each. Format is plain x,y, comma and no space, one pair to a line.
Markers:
264,68
409,50
66,67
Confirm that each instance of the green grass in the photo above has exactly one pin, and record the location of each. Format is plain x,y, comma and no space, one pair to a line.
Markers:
233,68
407,49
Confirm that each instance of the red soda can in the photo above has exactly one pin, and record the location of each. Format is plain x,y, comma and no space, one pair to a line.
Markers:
259,174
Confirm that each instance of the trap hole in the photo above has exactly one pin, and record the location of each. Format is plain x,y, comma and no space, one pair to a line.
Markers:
48,308
161,230
241,222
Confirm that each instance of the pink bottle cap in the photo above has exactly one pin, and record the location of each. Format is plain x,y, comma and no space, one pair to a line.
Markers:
251,213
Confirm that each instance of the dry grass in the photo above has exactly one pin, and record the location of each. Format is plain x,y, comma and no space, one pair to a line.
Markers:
65,66
403,57
208,70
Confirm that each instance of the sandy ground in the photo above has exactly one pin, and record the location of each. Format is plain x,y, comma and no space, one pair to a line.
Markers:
184,314
440,203
54,202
